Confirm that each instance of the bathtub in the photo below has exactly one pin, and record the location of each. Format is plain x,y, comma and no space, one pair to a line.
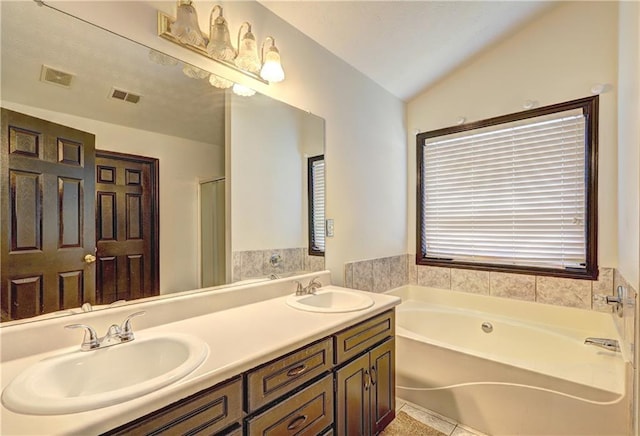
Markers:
527,372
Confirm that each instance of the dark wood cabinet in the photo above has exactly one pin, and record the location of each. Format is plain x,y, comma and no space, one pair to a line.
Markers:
365,392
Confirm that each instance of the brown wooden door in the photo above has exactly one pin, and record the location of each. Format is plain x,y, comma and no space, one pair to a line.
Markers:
126,227
46,217
383,385
352,398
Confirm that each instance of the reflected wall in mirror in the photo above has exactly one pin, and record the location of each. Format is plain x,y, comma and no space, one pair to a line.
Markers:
150,116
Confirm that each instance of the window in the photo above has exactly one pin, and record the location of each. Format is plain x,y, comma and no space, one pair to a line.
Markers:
315,168
516,193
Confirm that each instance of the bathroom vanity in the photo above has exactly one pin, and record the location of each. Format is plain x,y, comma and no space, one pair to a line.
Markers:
347,378
271,369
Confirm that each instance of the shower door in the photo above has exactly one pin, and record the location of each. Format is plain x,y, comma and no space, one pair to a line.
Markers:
212,233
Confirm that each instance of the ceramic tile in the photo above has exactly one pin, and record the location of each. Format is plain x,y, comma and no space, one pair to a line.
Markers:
412,270
314,263
434,276
251,264
381,274
348,275
516,286
398,269
293,260
236,272
363,275
427,418
563,292
467,280
463,430
601,288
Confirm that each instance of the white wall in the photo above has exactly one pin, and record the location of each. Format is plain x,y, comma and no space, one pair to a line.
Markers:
557,57
267,189
629,164
182,162
365,135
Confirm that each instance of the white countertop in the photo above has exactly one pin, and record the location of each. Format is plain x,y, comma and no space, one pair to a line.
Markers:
239,339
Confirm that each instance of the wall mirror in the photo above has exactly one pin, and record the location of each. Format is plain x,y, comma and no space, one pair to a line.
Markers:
178,186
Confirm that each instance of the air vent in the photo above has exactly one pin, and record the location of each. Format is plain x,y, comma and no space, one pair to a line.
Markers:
119,94
56,77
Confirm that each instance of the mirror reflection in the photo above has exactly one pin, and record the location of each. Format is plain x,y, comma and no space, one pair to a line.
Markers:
114,184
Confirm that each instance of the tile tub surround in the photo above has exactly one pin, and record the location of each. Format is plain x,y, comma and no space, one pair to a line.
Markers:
236,345
383,274
257,263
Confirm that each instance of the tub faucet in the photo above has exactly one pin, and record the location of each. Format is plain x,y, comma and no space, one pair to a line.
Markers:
607,344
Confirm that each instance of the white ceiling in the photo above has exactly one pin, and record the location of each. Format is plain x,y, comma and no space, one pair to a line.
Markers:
405,46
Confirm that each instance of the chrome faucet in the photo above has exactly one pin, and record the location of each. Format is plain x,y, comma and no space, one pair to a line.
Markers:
115,335
607,344
311,288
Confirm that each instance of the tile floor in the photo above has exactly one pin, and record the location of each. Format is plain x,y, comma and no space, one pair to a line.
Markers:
441,423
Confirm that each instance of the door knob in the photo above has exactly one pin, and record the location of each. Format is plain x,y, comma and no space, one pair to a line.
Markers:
89,258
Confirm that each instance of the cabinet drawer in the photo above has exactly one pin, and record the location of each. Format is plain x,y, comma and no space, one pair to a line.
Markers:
308,412
356,339
206,412
276,378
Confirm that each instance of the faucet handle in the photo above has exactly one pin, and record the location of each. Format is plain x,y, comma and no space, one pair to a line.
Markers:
299,288
90,340
126,332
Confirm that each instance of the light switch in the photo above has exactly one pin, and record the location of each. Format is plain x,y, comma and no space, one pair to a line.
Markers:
329,228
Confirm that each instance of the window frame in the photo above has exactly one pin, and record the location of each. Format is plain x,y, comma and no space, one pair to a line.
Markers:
313,250
589,106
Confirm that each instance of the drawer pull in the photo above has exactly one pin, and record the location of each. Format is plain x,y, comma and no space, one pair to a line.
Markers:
297,370
367,380
297,422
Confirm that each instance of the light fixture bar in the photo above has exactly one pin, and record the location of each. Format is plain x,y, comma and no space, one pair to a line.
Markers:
164,22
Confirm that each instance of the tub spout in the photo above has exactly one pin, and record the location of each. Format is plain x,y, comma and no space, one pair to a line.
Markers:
607,344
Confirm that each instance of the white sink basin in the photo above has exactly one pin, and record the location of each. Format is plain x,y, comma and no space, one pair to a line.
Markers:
331,299
84,380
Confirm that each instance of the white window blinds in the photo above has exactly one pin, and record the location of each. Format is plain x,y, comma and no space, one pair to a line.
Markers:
316,214
509,194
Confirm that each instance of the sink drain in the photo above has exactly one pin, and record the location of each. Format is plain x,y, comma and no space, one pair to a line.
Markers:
487,327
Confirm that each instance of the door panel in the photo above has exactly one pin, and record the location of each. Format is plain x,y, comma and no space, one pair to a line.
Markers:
382,385
352,398
46,216
127,227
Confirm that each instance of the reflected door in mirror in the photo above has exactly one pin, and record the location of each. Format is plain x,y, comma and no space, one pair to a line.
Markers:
47,216
126,227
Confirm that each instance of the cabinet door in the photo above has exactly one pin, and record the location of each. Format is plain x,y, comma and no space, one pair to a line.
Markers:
352,398
383,384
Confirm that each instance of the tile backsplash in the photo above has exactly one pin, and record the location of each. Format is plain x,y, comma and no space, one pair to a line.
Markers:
258,263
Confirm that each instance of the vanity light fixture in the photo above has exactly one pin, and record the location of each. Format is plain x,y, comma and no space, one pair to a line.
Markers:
161,58
184,31
247,58
219,82
219,46
271,67
194,72
242,90
185,28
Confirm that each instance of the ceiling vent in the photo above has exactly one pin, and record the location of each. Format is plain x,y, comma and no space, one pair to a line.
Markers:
119,94
56,77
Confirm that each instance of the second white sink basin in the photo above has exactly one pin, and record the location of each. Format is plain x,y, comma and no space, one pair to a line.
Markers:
331,299
86,380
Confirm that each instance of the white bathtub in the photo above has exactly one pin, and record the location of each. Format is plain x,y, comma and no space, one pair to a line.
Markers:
531,375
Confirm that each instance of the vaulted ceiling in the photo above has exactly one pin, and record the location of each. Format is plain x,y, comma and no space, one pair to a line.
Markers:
406,46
